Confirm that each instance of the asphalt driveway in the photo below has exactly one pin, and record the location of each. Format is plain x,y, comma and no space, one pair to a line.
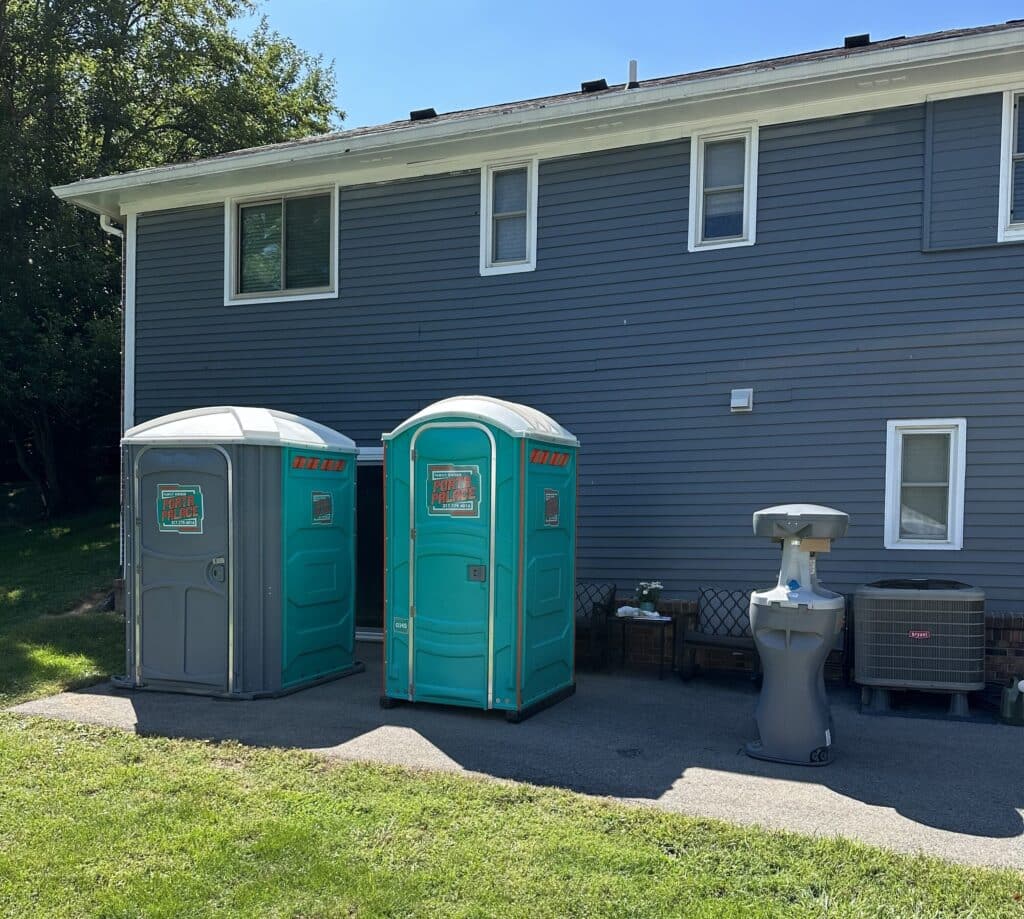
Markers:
955,790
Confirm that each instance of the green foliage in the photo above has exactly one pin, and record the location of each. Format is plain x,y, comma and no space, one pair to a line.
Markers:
93,89
45,646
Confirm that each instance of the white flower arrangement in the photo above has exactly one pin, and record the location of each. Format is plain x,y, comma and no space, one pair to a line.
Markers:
649,591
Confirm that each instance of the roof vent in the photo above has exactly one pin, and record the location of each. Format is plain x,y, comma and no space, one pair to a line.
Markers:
857,41
632,82
422,114
593,86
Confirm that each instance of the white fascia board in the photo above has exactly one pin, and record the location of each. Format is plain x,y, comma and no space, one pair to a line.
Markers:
861,81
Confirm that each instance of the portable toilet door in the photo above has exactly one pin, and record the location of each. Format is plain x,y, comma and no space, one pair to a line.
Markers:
473,586
239,552
183,553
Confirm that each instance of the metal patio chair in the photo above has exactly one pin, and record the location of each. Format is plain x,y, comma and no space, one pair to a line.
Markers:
595,602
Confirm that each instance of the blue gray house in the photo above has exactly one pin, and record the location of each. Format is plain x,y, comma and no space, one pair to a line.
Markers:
799,279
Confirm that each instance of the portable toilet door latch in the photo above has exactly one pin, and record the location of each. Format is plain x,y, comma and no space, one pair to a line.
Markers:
217,569
476,573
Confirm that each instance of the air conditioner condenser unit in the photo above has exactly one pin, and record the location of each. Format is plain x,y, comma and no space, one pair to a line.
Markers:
919,633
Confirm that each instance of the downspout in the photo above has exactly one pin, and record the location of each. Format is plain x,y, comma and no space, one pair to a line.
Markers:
108,226
112,229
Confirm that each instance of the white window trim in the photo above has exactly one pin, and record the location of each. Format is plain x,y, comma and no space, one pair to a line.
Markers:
231,207
694,242
957,429
1008,232
487,171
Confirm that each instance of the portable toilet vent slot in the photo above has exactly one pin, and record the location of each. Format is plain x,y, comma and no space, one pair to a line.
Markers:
239,552
480,535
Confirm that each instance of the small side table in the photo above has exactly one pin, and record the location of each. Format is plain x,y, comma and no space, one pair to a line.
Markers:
664,624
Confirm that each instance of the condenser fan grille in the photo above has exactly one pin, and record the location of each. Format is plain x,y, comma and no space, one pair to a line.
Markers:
913,640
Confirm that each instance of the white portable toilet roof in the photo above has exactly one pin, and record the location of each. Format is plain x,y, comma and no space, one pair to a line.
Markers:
232,424
517,420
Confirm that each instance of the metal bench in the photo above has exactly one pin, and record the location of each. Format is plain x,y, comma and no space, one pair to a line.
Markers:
595,602
722,620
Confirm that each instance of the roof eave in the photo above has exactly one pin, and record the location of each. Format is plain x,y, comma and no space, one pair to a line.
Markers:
93,194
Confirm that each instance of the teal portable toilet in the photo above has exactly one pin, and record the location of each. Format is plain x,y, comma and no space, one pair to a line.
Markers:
480,547
239,552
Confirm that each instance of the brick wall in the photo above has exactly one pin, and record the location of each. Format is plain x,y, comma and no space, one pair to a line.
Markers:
1004,640
1004,646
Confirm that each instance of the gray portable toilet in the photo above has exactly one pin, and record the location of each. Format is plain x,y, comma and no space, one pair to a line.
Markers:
239,552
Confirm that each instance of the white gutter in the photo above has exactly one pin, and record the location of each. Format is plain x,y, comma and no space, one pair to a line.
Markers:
831,68
108,226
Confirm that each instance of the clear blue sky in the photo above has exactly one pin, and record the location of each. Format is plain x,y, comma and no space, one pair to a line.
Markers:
392,56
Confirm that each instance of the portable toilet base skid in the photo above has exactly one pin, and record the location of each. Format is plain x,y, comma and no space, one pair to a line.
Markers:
480,542
239,553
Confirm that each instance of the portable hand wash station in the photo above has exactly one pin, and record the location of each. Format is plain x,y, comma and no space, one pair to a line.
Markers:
794,627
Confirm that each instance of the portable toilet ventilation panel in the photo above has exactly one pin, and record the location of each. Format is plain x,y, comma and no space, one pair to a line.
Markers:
239,552
480,536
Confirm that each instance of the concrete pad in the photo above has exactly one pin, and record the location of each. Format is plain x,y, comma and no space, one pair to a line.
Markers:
950,789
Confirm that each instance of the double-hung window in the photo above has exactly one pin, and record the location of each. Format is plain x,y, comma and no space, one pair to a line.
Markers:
924,484
508,217
282,246
1011,169
723,189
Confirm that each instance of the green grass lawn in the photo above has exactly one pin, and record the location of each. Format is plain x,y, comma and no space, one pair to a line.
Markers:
105,824
46,569
97,823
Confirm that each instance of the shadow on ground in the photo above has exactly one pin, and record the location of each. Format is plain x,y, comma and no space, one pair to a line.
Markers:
953,789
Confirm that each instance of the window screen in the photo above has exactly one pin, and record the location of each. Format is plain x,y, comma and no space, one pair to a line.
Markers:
924,486
259,248
285,245
724,171
307,251
509,215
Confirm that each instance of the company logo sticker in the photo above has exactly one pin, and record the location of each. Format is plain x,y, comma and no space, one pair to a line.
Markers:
454,491
551,510
179,508
919,634
323,508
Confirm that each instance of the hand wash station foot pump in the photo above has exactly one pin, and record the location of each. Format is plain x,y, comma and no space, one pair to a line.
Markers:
795,625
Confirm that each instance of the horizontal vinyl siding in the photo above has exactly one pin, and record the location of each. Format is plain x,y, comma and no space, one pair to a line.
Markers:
836,319
963,139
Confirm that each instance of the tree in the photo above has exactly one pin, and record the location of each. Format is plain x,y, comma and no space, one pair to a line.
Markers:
93,89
